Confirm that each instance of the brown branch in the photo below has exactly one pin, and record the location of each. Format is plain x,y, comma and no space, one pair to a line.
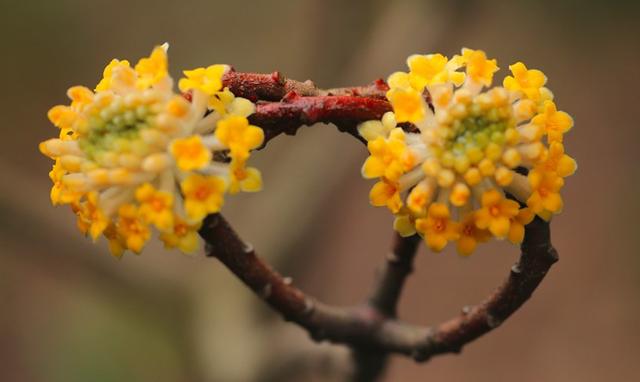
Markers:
363,326
538,255
398,265
274,86
295,111
284,105
370,364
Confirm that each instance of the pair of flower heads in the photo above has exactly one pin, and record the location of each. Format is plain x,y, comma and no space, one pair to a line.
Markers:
133,156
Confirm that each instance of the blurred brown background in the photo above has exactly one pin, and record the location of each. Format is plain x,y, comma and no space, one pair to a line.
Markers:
70,312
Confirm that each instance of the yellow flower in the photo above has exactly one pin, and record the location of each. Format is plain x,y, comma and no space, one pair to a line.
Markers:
152,69
438,228
203,195
183,236
433,69
371,130
155,206
91,219
236,133
107,76
404,226
385,193
470,235
555,123
60,193
68,134
466,149
527,81
178,106
80,96
516,230
247,179
190,153
222,99
427,69
408,104
545,194
117,244
208,80
62,116
400,80
419,197
123,77
127,144
460,194
56,174
479,68
496,213
557,161
132,228
389,158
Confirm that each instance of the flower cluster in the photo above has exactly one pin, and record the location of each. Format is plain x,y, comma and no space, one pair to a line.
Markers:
133,155
474,151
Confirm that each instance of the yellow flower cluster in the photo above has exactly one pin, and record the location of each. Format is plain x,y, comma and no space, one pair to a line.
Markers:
133,154
451,181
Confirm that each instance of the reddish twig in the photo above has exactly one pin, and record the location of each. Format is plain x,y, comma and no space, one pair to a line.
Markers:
295,111
284,105
274,86
364,327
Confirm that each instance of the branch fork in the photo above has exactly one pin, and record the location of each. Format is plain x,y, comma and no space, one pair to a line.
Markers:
371,329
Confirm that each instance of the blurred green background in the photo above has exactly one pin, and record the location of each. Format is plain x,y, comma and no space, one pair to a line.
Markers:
70,312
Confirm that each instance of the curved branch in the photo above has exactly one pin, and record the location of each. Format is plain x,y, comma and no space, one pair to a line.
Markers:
284,105
537,256
274,86
372,331
364,326
295,111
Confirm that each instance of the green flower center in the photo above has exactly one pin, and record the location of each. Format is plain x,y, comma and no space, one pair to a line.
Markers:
476,130
117,129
